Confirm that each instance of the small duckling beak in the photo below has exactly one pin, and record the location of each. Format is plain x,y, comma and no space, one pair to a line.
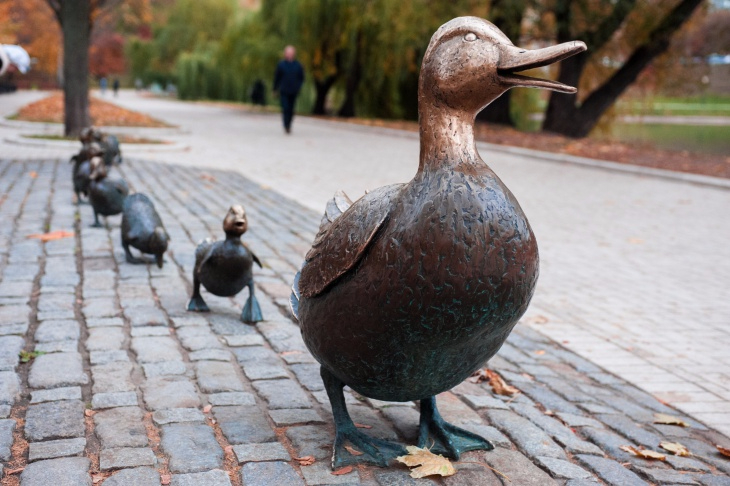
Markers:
514,59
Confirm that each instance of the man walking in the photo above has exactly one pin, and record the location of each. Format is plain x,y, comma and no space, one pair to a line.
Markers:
287,82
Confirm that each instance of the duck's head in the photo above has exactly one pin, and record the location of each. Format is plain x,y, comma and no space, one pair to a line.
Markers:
158,244
235,222
470,62
97,168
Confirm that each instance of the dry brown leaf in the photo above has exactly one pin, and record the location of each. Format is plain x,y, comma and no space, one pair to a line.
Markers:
644,453
14,471
89,413
540,352
725,451
207,177
663,418
97,478
207,408
499,386
352,451
305,461
363,426
165,479
675,448
426,463
33,174
54,235
344,470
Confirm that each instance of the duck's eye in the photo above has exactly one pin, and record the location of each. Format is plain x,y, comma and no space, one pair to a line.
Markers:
470,37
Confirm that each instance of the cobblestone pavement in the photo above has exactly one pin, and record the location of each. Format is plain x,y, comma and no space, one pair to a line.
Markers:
633,266
130,389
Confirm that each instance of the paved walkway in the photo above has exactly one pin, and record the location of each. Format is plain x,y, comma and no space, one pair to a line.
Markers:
132,389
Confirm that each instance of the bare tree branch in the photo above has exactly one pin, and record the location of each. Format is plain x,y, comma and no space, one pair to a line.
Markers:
56,7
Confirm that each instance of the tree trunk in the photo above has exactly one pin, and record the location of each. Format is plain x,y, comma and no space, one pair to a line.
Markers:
497,111
565,117
76,24
347,110
322,88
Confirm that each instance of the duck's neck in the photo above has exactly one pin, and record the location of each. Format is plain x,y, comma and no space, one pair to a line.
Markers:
233,238
447,138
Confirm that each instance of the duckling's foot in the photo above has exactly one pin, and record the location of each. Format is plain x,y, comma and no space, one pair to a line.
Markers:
444,438
251,311
374,451
197,304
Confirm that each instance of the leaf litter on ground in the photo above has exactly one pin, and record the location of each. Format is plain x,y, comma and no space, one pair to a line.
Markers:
664,419
499,386
644,453
426,463
675,448
725,451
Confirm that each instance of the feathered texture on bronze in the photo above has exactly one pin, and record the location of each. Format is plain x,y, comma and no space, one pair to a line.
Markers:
225,267
106,194
413,287
142,229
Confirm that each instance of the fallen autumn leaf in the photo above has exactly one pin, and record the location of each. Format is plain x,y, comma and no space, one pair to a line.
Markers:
644,453
352,451
675,448
305,461
363,426
663,418
426,463
344,470
725,451
54,235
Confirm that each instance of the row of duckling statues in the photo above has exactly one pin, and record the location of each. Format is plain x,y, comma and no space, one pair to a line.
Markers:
223,268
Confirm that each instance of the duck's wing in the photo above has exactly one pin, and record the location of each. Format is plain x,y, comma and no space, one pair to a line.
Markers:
342,243
253,255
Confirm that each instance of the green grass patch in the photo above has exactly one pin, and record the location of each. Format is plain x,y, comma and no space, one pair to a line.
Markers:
694,138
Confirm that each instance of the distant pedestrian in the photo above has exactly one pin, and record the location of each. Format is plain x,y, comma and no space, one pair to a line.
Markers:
288,82
102,85
115,87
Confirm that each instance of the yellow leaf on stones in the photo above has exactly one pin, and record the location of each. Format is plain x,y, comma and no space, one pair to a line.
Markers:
499,386
54,235
663,418
725,451
675,448
426,463
644,453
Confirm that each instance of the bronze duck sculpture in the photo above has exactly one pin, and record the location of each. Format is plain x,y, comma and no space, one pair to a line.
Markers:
81,172
106,194
225,267
142,229
409,290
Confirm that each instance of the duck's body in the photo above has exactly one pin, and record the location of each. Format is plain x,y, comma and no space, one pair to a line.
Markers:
412,288
142,229
225,267
106,194
80,176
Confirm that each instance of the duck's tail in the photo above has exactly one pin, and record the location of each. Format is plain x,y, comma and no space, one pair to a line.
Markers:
335,207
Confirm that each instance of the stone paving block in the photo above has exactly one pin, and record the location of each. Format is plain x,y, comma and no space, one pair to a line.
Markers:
4,412
55,394
10,346
405,420
99,307
311,440
563,469
57,315
217,377
578,420
291,416
164,368
145,316
113,377
216,477
628,407
170,392
713,480
191,447
269,451
138,476
155,349
296,357
11,329
282,394
114,399
321,473
52,449
244,340
687,464
105,322
232,398
57,347
611,471
308,375
6,438
628,428
270,474
518,468
667,476
104,357
150,331
528,437
9,387
126,457
14,314
57,369
105,339
244,425
177,415
68,471
548,399
255,371
470,474
120,427
484,401
399,477
492,434
210,355
55,420
283,336
192,320
199,342
64,330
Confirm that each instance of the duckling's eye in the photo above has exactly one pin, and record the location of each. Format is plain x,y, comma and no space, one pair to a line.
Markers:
470,37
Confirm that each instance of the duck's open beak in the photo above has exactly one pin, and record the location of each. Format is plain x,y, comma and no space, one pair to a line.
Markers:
514,59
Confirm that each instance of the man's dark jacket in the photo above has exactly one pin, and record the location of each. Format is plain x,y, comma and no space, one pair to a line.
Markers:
289,77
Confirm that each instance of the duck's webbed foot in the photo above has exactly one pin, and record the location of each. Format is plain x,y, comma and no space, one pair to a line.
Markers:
96,224
374,451
131,258
197,304
444,438
251,310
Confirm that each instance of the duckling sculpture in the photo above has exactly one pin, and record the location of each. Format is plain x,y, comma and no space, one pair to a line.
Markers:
106,194
409,290
142,228
109,144
224,268
82,169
